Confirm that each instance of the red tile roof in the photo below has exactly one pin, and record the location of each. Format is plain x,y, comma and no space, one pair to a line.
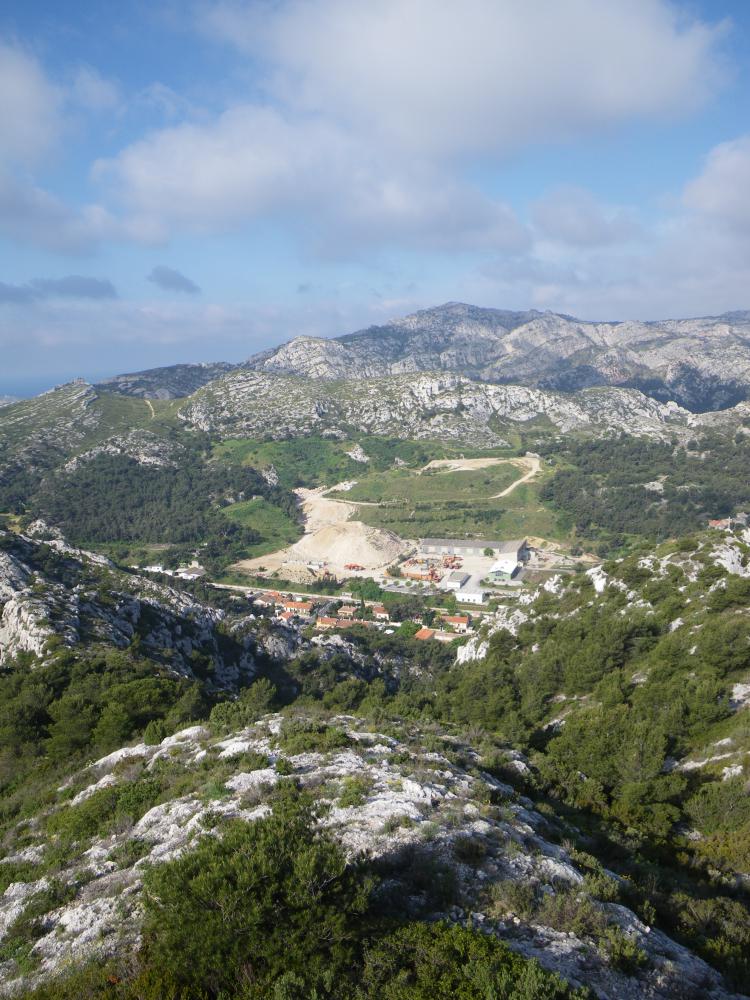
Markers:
424,633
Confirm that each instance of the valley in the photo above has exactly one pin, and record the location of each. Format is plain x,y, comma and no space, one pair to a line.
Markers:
482,645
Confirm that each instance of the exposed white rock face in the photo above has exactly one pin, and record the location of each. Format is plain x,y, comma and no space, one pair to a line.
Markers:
142,446
270,475
410,798
26,626
14,575
740,696
475,649
109,606
702,363
357,454
507,617
416,406
729,555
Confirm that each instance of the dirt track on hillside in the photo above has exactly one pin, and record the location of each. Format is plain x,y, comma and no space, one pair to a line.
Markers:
533,466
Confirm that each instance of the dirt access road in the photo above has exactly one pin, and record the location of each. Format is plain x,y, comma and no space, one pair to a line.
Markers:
531,463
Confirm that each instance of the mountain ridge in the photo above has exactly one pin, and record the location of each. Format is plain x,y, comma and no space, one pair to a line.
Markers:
702,364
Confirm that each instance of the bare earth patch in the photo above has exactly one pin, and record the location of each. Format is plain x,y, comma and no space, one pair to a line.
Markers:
331,539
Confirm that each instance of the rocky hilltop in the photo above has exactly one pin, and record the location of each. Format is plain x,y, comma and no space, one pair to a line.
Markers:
703,364
420,406
411,809
171,382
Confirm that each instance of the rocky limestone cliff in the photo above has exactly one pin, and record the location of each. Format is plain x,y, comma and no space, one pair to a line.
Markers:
703,364
142,446
417,406
53,594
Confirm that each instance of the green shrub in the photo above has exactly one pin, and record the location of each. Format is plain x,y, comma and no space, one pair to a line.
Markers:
252,703
272,896
127,853
354,791
622,951
155,732
305,736
442,962
106,809
18,871
509,897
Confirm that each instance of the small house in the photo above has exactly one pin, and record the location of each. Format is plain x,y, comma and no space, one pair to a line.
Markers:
298,607
325,624
424,634
459,623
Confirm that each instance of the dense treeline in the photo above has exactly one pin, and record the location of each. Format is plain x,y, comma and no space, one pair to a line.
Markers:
78,704
600,487
113,498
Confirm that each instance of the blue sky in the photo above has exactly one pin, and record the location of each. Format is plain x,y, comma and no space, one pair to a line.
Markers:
197,181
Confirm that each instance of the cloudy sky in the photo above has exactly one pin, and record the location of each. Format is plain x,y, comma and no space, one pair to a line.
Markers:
187,181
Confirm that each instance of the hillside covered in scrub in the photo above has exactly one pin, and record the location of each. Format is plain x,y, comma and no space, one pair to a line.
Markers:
570,787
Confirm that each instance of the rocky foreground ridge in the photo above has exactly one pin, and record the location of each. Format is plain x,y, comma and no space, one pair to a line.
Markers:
422,805
430,809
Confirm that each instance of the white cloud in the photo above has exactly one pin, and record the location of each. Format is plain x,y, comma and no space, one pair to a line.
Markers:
28,214
695,261
572,215
33,115
368,105
30,107
482,76
91,91
255,162
720,192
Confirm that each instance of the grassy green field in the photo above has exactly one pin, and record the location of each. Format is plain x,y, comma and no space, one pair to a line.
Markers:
519,514
316,461
435,486
277,528
298,462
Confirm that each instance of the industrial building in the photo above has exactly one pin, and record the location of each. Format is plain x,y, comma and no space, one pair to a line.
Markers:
455,580
475,547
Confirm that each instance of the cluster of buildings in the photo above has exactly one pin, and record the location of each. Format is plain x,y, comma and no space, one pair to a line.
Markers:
468,573
288,609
